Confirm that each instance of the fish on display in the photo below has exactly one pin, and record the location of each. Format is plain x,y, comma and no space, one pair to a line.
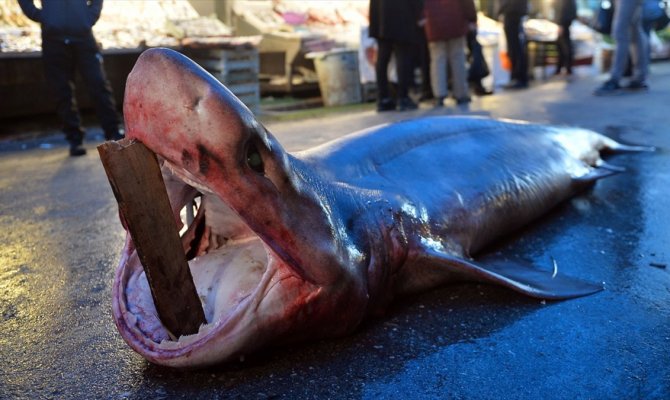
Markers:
287,247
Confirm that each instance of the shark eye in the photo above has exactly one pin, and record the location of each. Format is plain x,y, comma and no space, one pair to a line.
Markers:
254,160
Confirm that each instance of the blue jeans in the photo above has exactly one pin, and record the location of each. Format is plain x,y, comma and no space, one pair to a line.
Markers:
629,36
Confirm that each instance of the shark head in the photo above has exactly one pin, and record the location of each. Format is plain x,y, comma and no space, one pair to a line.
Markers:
267,259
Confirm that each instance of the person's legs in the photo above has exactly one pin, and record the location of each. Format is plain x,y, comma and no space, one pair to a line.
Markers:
478,69
405,68
564,50
570,53
59,69
560,46
384,51
459,80
639,49
438,70
510,26
89,63
522,72
621,33
516,48
626,27
426,89
647,26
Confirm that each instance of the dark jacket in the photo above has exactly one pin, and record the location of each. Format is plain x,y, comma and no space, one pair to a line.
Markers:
448,19
565,11
396,20
513,7
64,18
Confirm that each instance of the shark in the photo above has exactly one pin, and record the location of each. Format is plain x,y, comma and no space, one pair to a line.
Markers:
287,247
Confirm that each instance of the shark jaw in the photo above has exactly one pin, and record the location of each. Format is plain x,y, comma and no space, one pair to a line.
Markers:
243,285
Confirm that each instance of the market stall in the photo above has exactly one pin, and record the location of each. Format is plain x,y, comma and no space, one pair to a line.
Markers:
125,29
291,30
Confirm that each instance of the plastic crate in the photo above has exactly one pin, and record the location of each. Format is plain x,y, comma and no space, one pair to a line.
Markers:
235,68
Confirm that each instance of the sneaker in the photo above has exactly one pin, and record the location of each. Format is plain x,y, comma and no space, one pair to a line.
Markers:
463,101
77,150
439,102
637,85
385,104
406,104
609,88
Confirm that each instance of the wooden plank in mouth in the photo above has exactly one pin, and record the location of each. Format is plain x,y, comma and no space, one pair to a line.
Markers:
137,183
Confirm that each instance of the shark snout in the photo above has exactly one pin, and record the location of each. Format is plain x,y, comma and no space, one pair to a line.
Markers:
182,112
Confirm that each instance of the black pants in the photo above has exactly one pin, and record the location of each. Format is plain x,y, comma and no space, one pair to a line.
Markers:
403,60
516,47
424,57
565,54
62,59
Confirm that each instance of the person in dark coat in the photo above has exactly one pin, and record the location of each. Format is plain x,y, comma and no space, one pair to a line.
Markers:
394,24
447,24
68,45
513,11
565,11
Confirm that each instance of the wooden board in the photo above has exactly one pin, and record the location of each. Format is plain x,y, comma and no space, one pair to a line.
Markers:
138,186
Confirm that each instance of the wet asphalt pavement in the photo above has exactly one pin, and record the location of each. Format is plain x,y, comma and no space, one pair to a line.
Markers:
61,241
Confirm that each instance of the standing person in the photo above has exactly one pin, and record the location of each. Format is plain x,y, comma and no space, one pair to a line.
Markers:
424,57
447,22
565,11
394,24
478,69
68,45
628,34
513,12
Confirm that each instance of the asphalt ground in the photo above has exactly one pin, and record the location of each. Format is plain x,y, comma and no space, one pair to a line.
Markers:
61,242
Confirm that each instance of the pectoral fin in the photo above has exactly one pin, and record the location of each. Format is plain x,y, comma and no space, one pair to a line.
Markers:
518,276
594,174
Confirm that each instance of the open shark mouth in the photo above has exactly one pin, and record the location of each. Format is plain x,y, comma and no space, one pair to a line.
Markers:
260,249
232,268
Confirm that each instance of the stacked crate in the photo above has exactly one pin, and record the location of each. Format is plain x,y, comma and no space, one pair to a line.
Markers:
235,67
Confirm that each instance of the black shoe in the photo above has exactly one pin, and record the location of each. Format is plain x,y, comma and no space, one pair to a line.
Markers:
609,88
637,85
114,136
406,104
463,101
77,150
515,85
480,90
439,102
385,104
425,96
